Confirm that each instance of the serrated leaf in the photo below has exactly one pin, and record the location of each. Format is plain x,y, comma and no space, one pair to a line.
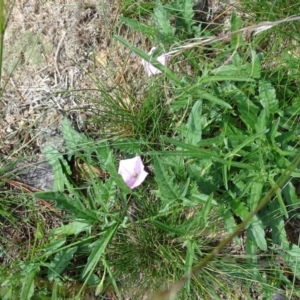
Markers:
102,151
246,107
239,209
60,262
186,14
162,23
56,161
168,189
73,139
73,206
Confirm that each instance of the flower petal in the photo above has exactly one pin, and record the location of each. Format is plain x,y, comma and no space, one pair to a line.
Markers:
132,171
149,68
139,180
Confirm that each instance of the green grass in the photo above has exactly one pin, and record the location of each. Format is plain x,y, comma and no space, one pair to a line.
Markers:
216,131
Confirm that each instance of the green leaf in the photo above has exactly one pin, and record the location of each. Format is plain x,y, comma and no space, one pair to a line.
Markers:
206,209
291,195
198,198
194,124
99,250
54,295
128,145
102,151
251,250
226,70
165,29
185,14
53,246
168,189
218,78
267,97
146,30
257,233
28,285
274,130
225,176
73,228
291,257
205,95
279,200
230,224
56,161
246,107
256,192
60,262
74,140
256,65
245,143
279,236
198,152
189,259
72,205
236,24
260,126
239,209
255,230
111,168
169,228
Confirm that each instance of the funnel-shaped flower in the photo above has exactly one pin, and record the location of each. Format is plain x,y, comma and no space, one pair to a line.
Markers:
150,69
132,171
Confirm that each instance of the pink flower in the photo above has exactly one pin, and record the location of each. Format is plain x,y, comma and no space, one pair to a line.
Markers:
150,69
132,171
